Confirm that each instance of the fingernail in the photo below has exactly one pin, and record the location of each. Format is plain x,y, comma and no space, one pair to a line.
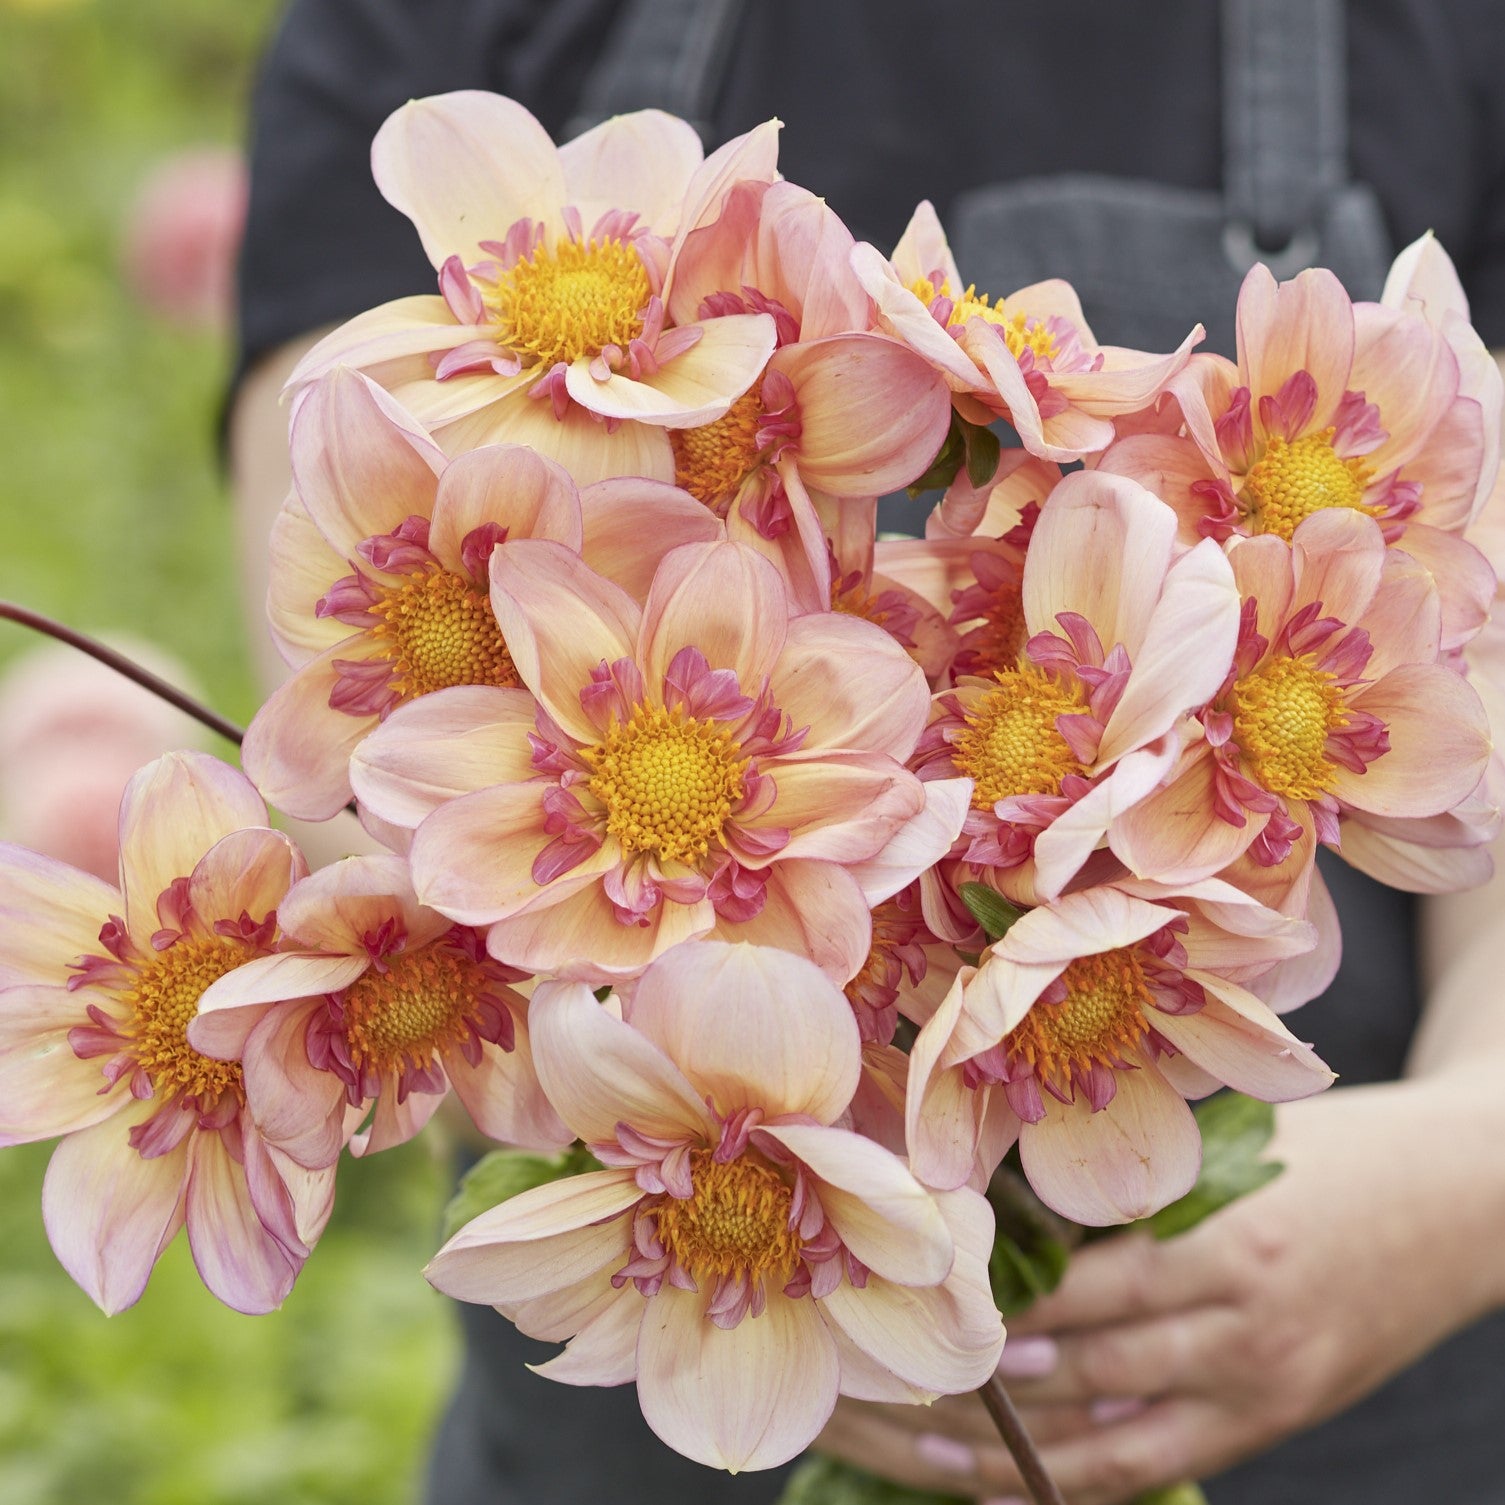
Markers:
1115,1408
1029,1357
945,1453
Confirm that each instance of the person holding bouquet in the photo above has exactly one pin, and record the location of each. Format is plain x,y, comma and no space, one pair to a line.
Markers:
1333,1337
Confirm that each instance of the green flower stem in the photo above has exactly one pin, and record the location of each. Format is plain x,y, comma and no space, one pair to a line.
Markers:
1037,1480
25,617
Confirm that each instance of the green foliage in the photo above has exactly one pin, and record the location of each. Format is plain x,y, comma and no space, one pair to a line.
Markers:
948,460
180,1401
114,510
989,908
825,1481
982,454
968,447
1173,1494
504,1174
1030,1252
1235,1130
1020,1274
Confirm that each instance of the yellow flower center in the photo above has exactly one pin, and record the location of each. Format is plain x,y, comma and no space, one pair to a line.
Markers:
1010,744
571,301
1020,332
1297,477
734,1224
1282,714
854,601
893,926
438,630
413,1010
712,461
668,782
164,1001
1099,1021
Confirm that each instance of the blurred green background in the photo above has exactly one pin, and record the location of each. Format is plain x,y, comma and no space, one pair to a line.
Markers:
114,517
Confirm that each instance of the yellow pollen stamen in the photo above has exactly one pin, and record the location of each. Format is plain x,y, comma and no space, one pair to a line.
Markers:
1020,332
668,781
854,601
571,301
409,1013
734,1224
1282,714
164,1001
1010,744
712,461
437,629
1099,1021
1297,477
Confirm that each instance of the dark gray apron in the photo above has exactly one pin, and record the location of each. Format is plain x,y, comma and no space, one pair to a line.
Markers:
1147,260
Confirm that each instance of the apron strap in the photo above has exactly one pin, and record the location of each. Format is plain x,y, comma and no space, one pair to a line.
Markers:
660,54
1285,126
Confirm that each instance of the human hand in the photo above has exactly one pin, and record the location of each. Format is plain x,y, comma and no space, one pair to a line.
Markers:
1161,1361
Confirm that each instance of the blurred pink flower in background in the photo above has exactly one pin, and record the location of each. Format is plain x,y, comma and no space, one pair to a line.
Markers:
72,732
182,235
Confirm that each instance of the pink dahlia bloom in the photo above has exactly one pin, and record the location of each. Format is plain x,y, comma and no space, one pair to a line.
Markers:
101,984
742,1258
1085,1030
1336,710
551,325
379,586
838,415
1121,639
1388,409
1029,357
374,1003
703,762
970,565
861,587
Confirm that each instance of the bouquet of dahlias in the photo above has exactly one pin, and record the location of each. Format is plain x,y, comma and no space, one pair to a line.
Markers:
786,899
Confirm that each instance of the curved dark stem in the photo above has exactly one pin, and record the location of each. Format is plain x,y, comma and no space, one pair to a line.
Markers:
1037,1481
9,611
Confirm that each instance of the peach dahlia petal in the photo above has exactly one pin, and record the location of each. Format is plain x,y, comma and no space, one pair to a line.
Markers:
804,1064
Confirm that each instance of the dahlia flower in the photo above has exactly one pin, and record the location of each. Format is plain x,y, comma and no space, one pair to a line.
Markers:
1029,357
838,414
702,762
551,325
101,984
1336,709
1084,1031
741,1258
379,584
1391,410
969,567
1122,639
374,1001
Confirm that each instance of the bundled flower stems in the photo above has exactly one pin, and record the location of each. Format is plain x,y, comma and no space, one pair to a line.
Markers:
788,878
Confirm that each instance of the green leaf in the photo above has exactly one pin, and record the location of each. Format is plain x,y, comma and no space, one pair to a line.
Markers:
982,454
1020,1274
948,460
1031,1245
1173,1494
827,1481
989,908
503,1174
1235,1131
